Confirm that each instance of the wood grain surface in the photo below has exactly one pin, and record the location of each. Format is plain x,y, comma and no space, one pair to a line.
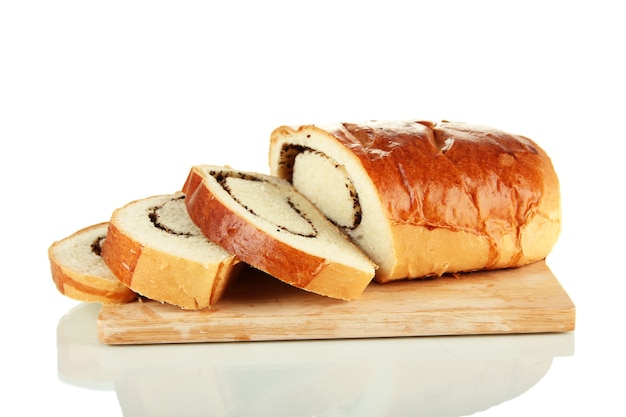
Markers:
258,307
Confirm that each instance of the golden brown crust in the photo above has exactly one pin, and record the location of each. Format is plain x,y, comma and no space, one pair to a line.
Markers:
485,175
303,270
121,254
457,197
72,287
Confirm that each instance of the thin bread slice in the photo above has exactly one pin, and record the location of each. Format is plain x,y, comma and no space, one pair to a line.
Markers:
79,272
155,249
266,223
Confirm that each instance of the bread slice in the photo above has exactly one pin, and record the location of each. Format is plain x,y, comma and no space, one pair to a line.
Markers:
422,198
265,222
79,271
155,249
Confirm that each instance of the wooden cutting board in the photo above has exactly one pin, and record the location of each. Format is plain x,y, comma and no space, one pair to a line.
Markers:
258,307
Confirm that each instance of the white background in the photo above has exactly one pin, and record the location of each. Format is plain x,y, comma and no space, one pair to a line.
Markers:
103,102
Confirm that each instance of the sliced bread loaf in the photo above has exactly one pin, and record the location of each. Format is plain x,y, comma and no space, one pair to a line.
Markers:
421,198
79,271
265,222
155,249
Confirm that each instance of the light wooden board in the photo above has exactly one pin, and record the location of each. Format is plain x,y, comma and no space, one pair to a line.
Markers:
258,307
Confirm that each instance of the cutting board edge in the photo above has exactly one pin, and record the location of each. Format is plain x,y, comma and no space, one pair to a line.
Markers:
557,315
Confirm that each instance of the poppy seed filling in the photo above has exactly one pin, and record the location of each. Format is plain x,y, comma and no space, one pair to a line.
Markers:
161,220
266,200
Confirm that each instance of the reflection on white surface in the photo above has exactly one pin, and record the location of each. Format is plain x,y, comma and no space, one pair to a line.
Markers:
433,376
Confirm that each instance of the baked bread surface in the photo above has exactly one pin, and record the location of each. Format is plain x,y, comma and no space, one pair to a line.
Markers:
79,272
266,223
434,197
154,248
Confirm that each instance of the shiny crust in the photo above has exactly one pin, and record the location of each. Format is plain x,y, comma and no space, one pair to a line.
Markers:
257,248
457,197
85,287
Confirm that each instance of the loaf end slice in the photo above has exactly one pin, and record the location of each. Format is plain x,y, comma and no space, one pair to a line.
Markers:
155,249
266,223
79,272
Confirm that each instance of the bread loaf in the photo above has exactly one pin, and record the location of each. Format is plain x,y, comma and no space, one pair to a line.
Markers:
155,249
422,198
267,224
79,272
